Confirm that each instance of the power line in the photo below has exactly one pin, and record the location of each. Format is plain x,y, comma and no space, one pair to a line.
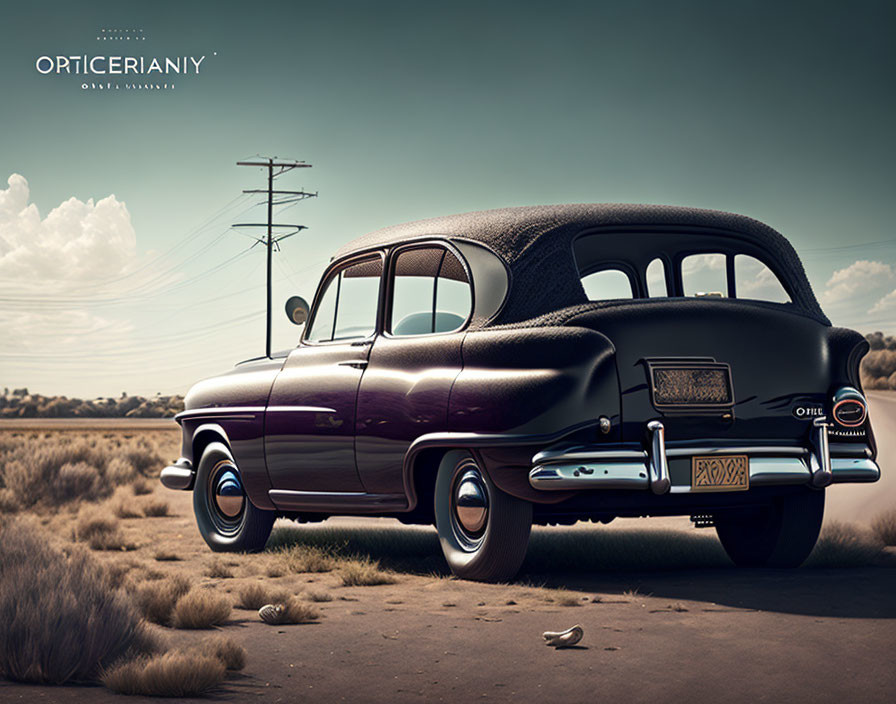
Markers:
275,168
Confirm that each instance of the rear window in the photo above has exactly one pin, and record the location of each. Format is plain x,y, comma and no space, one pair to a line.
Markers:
607,284
704,275
754,280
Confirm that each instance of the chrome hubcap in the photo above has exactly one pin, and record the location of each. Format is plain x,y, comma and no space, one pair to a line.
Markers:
229,496
471,502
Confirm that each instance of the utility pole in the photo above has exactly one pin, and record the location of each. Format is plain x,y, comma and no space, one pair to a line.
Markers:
283,197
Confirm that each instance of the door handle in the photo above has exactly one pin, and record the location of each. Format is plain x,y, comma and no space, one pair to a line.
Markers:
354,363
361,343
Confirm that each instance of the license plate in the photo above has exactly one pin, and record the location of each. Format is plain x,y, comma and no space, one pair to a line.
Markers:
720,473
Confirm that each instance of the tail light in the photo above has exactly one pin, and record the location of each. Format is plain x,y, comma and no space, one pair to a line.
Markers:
850,407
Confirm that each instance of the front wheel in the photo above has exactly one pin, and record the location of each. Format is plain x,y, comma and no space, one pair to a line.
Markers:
227,520
483,531
780,535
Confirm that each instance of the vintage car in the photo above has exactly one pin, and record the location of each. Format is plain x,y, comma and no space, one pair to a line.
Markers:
544,365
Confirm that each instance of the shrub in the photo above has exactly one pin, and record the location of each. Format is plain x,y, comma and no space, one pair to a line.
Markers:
100,532
231,654
884,526
306,558
165,556
292,611
200,608
123,504
173,674
156,509
217,569
364,573
255,595
844,545
561,597
141,487
64,467
156,601
61,621
120,471
319,597
75,480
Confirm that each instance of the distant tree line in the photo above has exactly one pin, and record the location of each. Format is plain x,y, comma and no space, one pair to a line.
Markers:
19,403
879,365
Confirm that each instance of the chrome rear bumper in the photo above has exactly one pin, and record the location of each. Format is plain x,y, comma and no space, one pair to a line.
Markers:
579,468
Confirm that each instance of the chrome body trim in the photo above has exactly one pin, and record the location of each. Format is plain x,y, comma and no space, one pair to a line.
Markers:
658,468
820,459
609,475
249,411
339,501
178,475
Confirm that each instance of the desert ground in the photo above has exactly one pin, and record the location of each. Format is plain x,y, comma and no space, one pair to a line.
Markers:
665,615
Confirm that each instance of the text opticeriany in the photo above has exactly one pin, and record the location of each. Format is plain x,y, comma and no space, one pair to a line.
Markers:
118,64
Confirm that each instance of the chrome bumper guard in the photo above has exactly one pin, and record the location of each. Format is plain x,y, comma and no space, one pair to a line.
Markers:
586,468
178,475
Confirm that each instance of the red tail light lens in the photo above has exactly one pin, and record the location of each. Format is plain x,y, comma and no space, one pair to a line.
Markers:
850,407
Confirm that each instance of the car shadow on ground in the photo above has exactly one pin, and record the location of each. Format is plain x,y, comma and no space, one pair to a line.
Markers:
839,580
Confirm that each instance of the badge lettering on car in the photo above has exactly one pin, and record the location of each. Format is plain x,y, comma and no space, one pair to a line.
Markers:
807,411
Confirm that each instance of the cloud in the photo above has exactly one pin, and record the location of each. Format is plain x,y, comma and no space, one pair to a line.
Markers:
887,304
76,244
859,280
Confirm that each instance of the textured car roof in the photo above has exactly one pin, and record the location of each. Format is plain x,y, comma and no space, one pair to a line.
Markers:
536,241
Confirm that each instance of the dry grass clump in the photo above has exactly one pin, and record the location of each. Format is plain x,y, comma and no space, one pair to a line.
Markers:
165,556
884,526
156,509
64,467
123,504
156,600
217,569
200,608
293,611
229,652
117,571
100,532
172,674
255,595
364,573
561,597
319,597
306,558
61,620
141,487
844,545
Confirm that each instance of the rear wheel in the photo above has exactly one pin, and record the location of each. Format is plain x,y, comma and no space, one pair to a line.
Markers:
780,535
227,520
483,531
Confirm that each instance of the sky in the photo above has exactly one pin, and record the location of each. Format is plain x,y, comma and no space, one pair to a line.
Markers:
119,270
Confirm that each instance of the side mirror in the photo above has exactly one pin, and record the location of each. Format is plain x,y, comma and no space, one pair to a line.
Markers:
297,310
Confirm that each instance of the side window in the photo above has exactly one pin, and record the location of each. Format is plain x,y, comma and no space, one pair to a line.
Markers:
656,279
753,279
430,292
607,284
704,275
347,308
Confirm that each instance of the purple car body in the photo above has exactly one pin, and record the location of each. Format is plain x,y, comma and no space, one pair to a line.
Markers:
464,371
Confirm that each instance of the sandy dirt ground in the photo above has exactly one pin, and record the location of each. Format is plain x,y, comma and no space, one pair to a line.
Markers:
708,632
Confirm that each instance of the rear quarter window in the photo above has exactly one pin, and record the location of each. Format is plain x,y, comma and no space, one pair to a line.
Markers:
607,284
